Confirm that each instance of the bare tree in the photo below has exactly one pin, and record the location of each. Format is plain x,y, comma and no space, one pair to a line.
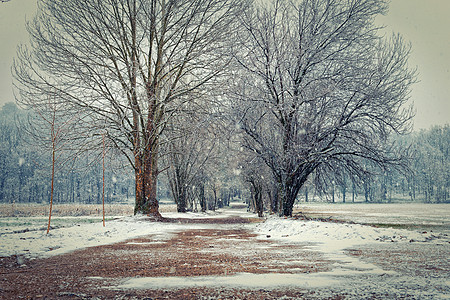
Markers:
127,63
189,153
320,90
258,179
52,132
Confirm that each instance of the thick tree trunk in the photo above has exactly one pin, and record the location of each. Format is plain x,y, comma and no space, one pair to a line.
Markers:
139,185
289,191
150,183
146,184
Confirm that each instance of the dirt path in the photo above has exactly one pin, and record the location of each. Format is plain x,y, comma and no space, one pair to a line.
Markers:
96,272
224,260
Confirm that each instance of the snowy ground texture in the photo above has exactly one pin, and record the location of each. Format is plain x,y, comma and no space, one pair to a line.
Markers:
365,261
357,277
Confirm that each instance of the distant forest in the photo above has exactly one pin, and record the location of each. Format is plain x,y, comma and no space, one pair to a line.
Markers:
25,173
25,170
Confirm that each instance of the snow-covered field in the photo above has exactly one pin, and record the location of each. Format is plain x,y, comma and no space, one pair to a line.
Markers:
26,235
353,275
405,215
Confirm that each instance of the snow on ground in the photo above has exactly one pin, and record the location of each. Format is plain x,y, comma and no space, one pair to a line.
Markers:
358,278
32,241
336,236
240,280
329,237
353,276
332,238
221,213
383,213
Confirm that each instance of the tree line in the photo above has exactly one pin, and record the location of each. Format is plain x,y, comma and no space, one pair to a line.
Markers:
200,178
299,93
25,171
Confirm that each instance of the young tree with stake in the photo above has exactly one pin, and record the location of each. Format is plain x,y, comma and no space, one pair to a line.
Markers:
51,129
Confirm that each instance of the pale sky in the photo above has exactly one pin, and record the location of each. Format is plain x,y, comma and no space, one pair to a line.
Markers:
424,23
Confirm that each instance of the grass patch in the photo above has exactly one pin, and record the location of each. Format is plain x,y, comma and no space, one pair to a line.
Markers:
423,227
71,210
327,217
25,224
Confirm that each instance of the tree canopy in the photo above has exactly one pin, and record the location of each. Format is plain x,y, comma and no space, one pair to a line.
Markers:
320,90
314,87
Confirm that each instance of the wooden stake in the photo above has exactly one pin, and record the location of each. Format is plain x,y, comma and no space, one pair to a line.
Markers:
53,135
103,192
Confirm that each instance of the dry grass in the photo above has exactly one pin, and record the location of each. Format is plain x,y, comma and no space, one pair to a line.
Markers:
75,210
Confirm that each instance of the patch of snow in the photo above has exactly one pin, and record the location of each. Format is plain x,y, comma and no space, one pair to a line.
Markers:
37,243
222,213
393,213
332,238
240,280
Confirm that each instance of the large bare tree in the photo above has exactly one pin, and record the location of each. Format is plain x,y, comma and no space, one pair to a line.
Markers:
320,90
125,65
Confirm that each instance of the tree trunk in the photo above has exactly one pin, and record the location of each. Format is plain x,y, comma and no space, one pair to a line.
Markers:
289,191
151,204
139,185
274,199
259,204
181,200
332,194
146,184
215,199
103,178
202,197
306,194
52,185
344,192
353,192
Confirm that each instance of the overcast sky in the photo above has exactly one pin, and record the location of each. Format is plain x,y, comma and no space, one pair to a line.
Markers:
424,23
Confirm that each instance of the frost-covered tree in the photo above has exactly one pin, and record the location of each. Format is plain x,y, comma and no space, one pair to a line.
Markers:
258,178
189,152
15,168
431,164
125,65
319,90
25,161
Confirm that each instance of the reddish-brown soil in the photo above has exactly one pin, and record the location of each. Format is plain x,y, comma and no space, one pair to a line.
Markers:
93,272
